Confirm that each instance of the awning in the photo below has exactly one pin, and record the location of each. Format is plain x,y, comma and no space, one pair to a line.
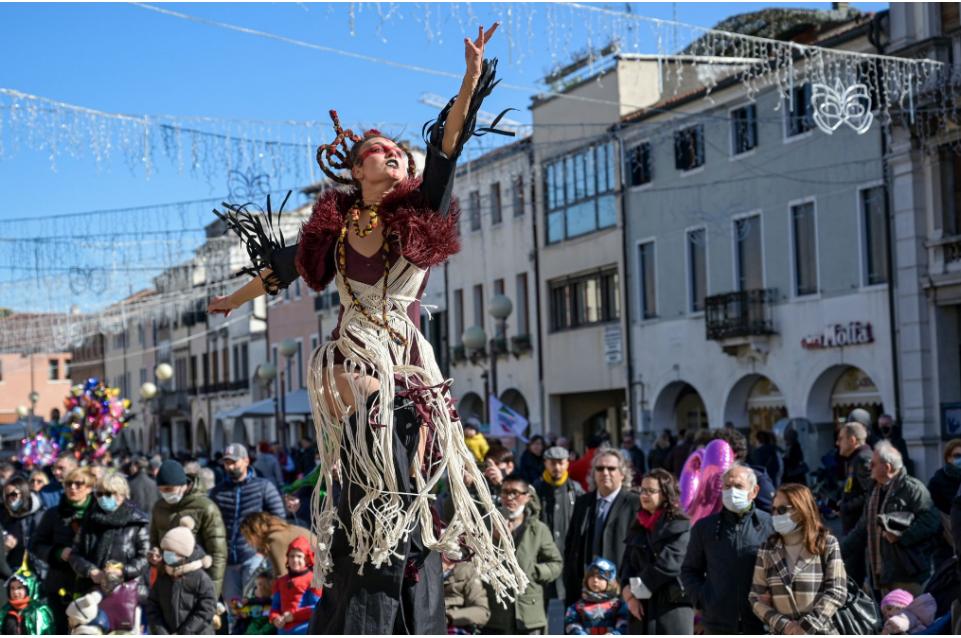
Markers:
297,403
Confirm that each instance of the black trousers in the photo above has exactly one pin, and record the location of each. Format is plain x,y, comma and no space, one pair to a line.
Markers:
402,597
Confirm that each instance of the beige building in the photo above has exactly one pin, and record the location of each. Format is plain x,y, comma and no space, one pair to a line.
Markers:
497,257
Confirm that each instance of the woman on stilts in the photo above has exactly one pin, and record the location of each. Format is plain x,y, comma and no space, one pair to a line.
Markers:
386,426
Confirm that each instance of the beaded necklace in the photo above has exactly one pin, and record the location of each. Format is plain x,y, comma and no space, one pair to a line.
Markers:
355,302
372,222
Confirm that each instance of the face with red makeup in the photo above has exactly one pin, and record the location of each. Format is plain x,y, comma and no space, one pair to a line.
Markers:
379,161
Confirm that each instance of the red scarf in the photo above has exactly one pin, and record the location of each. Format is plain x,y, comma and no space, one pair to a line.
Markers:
648,520
20,604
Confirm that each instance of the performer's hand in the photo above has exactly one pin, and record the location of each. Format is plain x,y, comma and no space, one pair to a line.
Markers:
891,538
223,305
474,51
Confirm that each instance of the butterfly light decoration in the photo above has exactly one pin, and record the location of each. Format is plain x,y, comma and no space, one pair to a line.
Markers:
839,105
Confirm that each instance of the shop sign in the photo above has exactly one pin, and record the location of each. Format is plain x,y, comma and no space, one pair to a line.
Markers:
613,345
839,335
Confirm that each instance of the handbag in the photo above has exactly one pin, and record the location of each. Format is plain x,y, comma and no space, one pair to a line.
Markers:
858,616
120,605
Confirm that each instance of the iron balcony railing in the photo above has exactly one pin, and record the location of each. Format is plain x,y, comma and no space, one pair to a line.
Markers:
745,313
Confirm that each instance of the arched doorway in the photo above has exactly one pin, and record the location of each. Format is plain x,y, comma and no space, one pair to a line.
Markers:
755,403
515,401
679,405
471,405
239,434
220,432
203,437
839,390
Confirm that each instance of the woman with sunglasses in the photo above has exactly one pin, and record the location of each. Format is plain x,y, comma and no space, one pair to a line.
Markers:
651,568
113,541
54,538
38,481
799,577
19,518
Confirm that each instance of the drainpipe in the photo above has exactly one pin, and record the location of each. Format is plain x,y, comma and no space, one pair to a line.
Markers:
537,291
874,37
627,305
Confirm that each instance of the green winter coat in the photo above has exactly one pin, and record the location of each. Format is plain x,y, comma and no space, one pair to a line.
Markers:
541,561
208,529
37,617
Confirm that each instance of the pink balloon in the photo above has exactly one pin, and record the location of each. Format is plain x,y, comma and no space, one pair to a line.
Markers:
690,482
718,457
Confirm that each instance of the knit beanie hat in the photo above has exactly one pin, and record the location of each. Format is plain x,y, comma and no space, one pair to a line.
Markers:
180,539
171,473
897,598
83,610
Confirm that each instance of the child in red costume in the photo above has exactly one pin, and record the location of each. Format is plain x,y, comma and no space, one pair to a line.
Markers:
294,597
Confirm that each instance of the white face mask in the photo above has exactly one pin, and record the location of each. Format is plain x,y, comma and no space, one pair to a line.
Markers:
783,524
736,500
172,497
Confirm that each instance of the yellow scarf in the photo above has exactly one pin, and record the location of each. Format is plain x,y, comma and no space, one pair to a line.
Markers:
550,479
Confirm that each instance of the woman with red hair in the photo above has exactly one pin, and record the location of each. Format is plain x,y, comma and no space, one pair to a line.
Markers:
386,426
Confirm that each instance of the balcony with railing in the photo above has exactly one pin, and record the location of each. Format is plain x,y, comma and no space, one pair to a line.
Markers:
740,319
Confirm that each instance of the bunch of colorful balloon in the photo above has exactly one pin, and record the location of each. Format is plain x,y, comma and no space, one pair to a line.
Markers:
95,415
702,479
38,450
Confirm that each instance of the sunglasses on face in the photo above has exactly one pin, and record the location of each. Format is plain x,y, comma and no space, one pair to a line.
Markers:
12,495
75,484
783,509
37,481
104,494
606,468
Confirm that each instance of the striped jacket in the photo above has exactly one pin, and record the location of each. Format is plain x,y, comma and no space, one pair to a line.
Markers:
810,593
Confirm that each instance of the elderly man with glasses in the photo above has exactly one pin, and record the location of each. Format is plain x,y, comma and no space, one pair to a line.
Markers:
601,519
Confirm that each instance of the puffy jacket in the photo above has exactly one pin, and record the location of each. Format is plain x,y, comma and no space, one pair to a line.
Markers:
465,598
22,526
57,531
719,567
541,561
208,528
237,500
182,599
120,536
908,560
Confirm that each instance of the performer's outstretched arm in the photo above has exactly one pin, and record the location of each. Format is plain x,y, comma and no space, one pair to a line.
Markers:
250,290
474,56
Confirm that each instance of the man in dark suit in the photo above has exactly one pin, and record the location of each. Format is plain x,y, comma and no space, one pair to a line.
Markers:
601,519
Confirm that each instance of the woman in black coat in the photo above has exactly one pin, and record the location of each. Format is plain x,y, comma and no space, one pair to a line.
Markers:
20,517
946,481
532,460
651,568
54,538
114,531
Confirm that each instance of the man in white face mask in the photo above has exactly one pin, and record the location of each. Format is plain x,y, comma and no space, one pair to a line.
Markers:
182,498
719,565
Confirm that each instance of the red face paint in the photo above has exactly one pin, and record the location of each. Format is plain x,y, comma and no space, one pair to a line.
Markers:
379,148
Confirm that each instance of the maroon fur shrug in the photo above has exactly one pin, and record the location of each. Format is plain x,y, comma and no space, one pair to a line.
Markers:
425,237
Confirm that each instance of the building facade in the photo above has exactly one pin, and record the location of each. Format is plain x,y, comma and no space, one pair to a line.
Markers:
497,257
758,262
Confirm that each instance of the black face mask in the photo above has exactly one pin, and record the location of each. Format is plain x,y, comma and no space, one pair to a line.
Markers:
886,431
236,473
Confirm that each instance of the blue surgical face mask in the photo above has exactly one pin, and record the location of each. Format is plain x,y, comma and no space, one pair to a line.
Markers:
171,558
783,524
108,503
956,462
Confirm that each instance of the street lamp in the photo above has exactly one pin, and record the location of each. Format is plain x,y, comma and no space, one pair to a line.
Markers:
33,397
163,372
288,348
475,339
267,372
147,392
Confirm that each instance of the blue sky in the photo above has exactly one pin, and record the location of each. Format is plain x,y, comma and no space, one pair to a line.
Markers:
122,58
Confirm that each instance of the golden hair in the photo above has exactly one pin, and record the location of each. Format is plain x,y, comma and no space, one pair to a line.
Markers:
256,527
